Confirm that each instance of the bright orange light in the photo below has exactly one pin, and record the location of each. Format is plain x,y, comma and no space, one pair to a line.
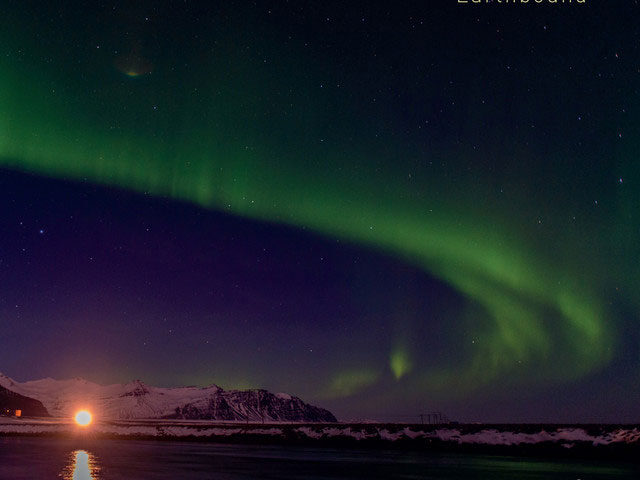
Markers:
83,418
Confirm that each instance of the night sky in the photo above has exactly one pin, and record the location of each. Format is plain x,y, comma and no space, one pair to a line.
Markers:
385,208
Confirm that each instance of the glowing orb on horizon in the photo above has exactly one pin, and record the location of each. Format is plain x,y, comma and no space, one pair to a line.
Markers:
83,418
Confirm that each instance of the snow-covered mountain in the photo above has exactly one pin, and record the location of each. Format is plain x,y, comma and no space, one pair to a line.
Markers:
62,398
11,401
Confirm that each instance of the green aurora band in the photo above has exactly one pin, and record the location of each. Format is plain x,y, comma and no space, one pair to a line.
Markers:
539,314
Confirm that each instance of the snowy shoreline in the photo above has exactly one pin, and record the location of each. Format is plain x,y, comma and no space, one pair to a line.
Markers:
510,439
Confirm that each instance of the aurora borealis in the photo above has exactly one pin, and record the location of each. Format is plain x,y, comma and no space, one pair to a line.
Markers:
444,201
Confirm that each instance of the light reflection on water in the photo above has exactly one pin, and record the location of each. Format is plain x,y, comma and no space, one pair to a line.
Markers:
35,458
82,465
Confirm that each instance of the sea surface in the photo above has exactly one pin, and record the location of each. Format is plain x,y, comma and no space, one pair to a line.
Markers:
82,459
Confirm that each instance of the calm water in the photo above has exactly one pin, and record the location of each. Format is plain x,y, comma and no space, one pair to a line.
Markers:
38,458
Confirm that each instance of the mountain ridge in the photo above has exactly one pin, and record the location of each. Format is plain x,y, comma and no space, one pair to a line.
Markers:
137,400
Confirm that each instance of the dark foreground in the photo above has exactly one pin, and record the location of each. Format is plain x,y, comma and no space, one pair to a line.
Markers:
81,459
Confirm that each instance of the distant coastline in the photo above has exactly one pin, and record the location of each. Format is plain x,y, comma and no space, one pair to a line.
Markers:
579,441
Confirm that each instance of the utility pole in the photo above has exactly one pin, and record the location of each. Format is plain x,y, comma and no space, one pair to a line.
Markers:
433,418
